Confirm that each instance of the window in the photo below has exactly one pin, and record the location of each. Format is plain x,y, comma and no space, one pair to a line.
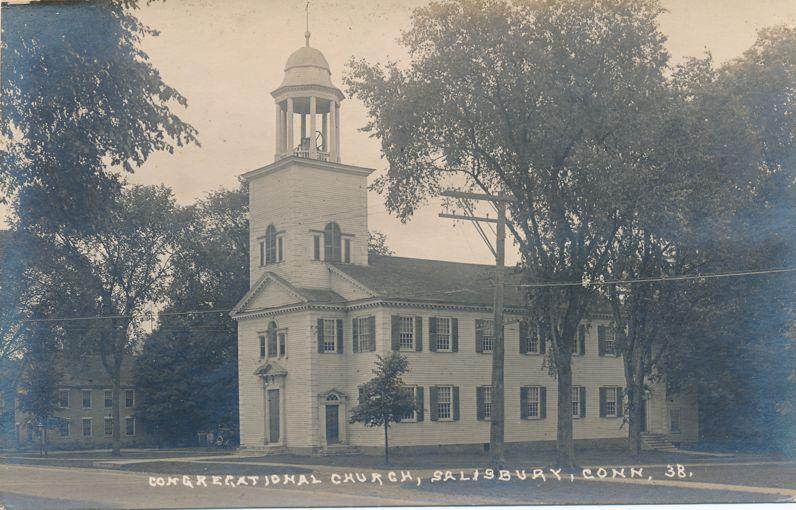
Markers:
610,401
263,351
533,402
484,402
129,398
63,399
410,416
407,333
282,339
86,427
488,335
329,335
362,334
347,251
316,247
606,337
576,405
533,339
129,425
579,343
272,342
331,242
86,399
444,404
443,334
108,394
63,428
674,421
108,426
270,245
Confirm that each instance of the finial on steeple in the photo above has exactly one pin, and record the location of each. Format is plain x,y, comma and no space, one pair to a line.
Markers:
307,31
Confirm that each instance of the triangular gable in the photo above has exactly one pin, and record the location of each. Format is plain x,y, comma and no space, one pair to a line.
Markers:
348,287
270,291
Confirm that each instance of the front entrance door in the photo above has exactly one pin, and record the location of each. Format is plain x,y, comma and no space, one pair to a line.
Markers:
332,427
273,416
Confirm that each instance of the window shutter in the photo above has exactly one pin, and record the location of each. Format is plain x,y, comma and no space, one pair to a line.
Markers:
582,340
320,335
455,335
432,334
602,402
524,402
479,402
582,402
372,328
354,335
262,253
395,332
479,335
419,403
542,402
340,336
601,340
455,403
524,336
418,333
432,403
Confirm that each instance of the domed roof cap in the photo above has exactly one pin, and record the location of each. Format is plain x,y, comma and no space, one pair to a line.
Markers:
307,56
307,67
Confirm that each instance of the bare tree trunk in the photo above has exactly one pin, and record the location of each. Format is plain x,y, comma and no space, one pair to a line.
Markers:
116,450
636,396
386,444
565,447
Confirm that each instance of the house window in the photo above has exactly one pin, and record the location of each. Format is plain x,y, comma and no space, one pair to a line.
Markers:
443,334
484,402
579,340
363,334
282,339
263,351
533,401
86,399
610,401
407,333
129,426
86,427
108,426
316,247
108,394
329,335
607,340
488,335
63,399
347,251
63,428
410,416
576,401
444,403
331,242
129,398
674,421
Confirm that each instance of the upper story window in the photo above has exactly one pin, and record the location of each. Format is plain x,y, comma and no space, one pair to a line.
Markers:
606,341
129,398
108,394
407,333
484,335
443,334
330,335
63,399
331,242
86,399
272,246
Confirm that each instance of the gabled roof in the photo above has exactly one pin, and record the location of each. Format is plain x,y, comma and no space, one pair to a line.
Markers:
436,281
302,294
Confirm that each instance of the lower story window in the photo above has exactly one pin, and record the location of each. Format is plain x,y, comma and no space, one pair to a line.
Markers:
86,427
329,335
610,401
129,425
63,428
410,416
444,403
486,401
108,426
533,401
576,402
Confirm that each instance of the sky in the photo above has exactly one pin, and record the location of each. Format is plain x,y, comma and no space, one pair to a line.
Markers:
226,56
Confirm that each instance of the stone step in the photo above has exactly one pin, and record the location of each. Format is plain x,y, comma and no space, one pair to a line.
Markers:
338,450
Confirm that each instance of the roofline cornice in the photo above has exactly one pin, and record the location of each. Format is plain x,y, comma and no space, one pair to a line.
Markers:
314,163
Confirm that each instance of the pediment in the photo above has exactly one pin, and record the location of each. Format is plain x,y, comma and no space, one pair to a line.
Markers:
271,368
270,291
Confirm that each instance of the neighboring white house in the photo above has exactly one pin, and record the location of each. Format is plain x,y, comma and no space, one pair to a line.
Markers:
320,309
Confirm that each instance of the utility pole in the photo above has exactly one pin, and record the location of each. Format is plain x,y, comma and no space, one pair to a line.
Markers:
497,413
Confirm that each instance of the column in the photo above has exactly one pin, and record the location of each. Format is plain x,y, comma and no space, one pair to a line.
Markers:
313,150
289,116
332,132
278,132
337,131
325,131
303,134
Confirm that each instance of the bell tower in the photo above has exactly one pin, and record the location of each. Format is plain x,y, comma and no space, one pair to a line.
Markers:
307,209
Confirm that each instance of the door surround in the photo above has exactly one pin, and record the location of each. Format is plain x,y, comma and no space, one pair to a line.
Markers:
340,400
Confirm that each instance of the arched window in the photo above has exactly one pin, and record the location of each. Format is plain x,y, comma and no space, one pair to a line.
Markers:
331,242
270,245
272,353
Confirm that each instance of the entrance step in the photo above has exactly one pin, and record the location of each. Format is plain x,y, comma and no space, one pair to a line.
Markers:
338,449
264,449
657,442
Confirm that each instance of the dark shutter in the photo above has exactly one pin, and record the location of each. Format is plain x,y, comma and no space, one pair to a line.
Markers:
582,340
432,334
316,248
418,333
355,335
263,352
320,335
340,336
524,402
601,340
479,402
479,335
455,403
395,332
582,402
419,403
542,402
372,328
602,402
432,403
525,333
455,335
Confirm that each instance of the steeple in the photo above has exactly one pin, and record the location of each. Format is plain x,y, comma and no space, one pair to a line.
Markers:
307,91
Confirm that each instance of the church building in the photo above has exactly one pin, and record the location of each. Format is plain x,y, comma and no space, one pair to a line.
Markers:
320,309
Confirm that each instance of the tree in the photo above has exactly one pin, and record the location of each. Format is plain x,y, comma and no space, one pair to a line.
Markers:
187,371
80,102
541,101
377,243
384,399
123,265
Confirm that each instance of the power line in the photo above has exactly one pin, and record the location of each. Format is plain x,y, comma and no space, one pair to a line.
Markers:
146,315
